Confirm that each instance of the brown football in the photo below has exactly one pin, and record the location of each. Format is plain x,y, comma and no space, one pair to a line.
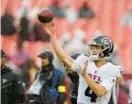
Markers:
45,15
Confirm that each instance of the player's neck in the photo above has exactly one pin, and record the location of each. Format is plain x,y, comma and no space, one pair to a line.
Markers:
100,63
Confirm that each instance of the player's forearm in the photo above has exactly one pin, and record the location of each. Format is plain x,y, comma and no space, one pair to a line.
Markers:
59,52
95,87
120,80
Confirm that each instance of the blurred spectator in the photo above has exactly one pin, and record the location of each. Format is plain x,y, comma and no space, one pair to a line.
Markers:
130,94
127,18
20,56
78,40
21,59
24,31
65,39
33,69
85,11
39,33
22,21
12,90
71,13
49,85
7,24
115,59
28,25
57,9
24,9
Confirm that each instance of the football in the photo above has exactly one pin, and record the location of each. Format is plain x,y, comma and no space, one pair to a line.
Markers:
45,15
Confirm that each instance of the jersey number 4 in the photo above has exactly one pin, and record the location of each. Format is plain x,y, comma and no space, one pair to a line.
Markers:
91,94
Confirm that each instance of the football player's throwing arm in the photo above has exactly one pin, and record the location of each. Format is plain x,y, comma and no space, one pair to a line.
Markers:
51,30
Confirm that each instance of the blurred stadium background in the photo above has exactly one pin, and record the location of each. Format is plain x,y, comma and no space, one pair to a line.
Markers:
77,21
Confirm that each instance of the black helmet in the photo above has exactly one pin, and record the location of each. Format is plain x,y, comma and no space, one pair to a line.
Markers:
74,56
105,43
47,54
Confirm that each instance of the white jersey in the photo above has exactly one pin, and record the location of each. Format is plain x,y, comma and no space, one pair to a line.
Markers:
105,75
130,94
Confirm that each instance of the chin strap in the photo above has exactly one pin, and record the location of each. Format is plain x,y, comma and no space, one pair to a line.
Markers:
94,57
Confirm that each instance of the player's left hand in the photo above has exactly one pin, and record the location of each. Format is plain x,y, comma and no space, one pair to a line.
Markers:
84,67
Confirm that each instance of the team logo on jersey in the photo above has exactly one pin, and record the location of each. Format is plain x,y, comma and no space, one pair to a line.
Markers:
95,71
95,77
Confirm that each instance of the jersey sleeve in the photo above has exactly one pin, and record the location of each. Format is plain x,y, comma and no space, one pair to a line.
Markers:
108,83
77,64
130,94
119,71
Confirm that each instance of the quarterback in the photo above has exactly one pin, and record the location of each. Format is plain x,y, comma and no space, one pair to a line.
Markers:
97,76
